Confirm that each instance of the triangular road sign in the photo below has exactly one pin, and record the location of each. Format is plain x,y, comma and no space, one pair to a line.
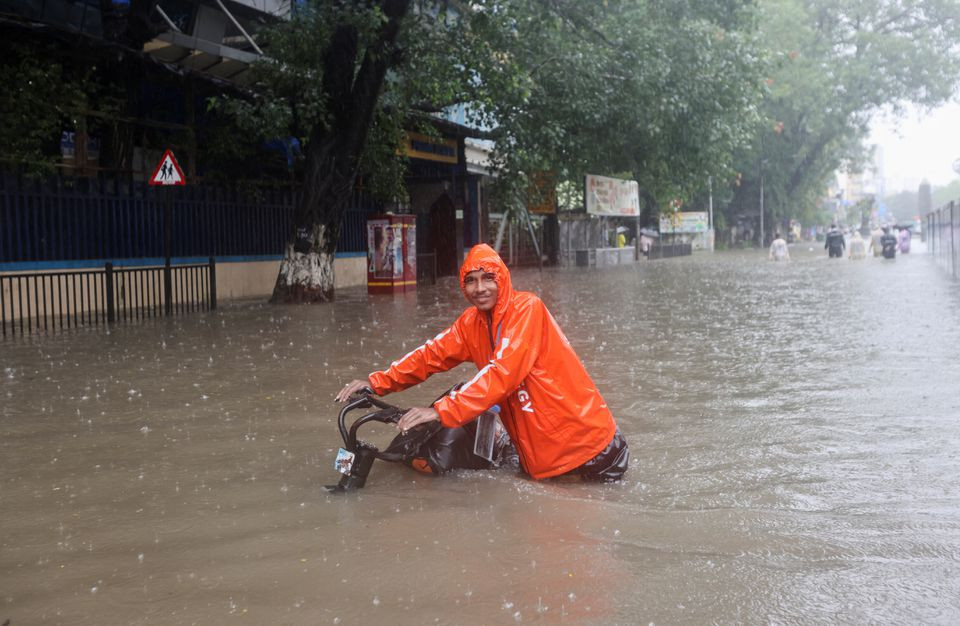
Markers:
168,171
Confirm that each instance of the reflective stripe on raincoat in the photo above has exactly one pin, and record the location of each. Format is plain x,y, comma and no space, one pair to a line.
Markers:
549,405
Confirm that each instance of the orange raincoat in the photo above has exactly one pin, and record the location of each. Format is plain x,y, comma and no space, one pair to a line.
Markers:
549,405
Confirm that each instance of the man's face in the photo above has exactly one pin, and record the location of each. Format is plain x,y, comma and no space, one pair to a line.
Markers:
480,288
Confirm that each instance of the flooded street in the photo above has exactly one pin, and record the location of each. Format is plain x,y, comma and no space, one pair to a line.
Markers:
793,427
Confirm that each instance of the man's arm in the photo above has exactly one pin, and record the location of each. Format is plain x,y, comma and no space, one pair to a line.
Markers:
443,352
512,361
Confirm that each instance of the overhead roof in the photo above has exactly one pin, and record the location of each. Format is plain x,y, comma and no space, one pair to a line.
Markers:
215,37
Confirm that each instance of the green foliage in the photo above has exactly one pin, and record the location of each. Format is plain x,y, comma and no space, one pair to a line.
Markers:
905,204
943,196
657,89
661,89
382,167
38,100
438,62
837,63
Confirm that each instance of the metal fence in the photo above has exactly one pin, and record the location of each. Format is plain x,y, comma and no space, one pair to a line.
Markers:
943,237
668,250
55,301
61,219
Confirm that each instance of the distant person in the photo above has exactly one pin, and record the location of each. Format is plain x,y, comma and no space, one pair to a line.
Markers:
778,249
903,240
858,247
875,236
888,244
834,243
646,241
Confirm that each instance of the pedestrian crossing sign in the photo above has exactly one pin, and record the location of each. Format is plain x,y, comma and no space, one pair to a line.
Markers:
168,171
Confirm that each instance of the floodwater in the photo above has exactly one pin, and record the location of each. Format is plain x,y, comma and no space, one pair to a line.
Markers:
795,458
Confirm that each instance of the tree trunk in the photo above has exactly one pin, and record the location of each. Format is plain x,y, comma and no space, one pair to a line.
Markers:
306,272
333,154
305,276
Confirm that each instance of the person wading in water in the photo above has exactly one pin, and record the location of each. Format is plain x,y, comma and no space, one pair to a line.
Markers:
553,412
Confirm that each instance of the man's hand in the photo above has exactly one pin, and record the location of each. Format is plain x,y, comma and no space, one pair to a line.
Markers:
351,388
417,415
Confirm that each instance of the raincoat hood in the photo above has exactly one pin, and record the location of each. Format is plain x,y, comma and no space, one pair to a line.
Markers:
483,257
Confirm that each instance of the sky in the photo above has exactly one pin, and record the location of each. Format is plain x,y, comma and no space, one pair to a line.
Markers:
919,146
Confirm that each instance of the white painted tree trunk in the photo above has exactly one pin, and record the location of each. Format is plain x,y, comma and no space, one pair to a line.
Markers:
305,277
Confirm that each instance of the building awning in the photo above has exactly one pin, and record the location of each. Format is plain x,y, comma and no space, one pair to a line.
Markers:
214,40
200,55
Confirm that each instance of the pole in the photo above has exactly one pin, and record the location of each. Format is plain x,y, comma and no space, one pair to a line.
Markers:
498,242
710,195
108,279
636,241
761,211
533,237
167,239
713,231
213,283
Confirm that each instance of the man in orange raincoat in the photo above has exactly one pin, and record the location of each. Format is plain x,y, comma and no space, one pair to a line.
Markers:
550,407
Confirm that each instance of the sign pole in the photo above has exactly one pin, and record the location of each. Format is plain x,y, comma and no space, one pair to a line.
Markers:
167,174
167,241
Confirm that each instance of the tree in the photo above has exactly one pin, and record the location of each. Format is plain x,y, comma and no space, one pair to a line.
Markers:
665,90
838,63
347,78
332,96
41,95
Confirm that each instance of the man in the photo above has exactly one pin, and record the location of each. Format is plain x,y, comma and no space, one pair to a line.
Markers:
646,241
778,249
556,418
903,240
888,244
875,236
834,243
857,246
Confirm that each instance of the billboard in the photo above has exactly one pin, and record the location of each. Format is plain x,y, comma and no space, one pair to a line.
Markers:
612,196
684,222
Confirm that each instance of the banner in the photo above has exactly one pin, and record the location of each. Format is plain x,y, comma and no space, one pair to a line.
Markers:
542,199
684,222
612,196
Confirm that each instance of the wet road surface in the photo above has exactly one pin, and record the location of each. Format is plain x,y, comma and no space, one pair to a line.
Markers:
794,428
